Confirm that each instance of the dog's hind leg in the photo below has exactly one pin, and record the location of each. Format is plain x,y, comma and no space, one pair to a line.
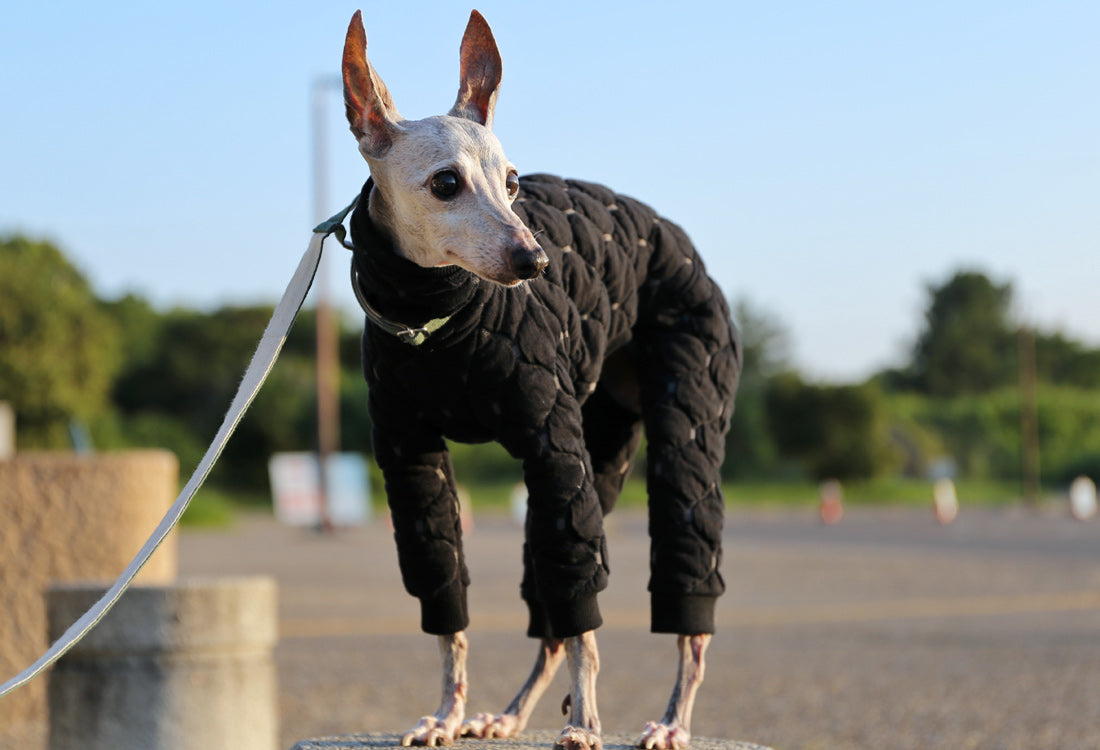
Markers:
613,427
673,731
514,718
441,728
691,359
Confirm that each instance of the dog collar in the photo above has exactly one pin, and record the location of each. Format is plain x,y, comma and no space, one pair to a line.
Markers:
413,336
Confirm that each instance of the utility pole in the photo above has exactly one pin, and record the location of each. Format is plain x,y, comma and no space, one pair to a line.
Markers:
328,361
1029,418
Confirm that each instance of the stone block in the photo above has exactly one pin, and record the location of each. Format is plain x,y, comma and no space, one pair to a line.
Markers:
69,517
182,667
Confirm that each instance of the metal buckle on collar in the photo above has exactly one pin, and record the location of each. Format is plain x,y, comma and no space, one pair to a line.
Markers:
413,332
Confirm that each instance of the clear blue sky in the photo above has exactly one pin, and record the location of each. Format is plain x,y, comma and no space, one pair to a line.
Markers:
828,158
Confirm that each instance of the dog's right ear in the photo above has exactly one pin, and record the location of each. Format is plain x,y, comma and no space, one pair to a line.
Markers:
371,112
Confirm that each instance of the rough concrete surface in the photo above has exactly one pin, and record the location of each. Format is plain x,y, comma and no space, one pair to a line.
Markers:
185,666
539,740
189,615
884,631
68,517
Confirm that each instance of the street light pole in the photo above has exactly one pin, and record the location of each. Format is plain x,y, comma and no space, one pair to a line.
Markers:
1029,417
328,363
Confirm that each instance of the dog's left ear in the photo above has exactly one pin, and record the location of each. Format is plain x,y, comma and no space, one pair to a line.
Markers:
480,73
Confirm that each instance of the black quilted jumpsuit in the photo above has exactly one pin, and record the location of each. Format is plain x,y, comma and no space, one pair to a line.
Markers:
522,366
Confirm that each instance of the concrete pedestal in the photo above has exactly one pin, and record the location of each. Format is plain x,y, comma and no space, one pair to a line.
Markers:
530,740
182,667
68,517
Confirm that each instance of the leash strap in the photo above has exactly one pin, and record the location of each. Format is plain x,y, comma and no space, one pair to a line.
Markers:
258,369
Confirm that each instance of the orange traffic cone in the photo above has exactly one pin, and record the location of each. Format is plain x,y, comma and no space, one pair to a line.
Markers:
831,507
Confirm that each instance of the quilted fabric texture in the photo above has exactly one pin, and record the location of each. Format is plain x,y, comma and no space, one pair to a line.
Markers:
525,366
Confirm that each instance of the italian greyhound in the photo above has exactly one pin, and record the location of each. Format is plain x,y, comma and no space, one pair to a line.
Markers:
445,195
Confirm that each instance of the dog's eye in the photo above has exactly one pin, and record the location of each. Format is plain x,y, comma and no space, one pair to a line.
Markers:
511,184
445,185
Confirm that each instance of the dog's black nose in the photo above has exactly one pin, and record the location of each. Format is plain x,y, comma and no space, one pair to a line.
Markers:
528,264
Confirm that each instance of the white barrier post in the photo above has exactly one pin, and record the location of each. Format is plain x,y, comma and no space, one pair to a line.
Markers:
7,431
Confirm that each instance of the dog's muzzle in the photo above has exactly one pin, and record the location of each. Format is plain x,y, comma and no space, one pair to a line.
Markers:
528,263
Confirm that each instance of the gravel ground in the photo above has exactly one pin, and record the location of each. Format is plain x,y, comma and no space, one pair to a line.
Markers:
883,631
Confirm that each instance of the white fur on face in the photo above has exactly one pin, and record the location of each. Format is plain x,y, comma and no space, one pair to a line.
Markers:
476,229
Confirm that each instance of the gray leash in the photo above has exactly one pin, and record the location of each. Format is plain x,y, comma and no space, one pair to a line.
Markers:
258,369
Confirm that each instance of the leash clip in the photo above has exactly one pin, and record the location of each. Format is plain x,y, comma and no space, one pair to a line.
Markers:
412,333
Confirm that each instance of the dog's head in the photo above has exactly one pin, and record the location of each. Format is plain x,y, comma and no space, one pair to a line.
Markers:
443,186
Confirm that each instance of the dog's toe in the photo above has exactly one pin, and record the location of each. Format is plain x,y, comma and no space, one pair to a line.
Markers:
432,738
429,732
439,738
574,738
503,726
658,736
476,725
487,726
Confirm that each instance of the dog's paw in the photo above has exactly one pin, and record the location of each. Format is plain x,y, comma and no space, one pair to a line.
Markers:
486,726
576,738
431,731
657,736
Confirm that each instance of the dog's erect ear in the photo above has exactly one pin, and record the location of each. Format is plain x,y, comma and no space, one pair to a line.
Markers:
480,74
370,108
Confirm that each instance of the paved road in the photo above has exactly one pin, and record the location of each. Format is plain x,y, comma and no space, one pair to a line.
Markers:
884,631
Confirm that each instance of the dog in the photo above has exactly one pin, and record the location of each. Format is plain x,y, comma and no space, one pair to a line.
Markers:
558,318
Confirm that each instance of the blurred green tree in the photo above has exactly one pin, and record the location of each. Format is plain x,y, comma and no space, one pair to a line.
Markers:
1063,361
765,342
968,344
836,431
59,349
183,369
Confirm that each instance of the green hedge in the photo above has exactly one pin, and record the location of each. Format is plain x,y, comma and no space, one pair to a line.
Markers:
982,433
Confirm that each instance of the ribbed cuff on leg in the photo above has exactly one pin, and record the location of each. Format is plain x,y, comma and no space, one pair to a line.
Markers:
681,614
563,619
444,613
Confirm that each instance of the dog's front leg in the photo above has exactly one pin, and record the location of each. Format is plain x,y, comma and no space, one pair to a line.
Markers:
514,718
582,730
441,728
673,731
